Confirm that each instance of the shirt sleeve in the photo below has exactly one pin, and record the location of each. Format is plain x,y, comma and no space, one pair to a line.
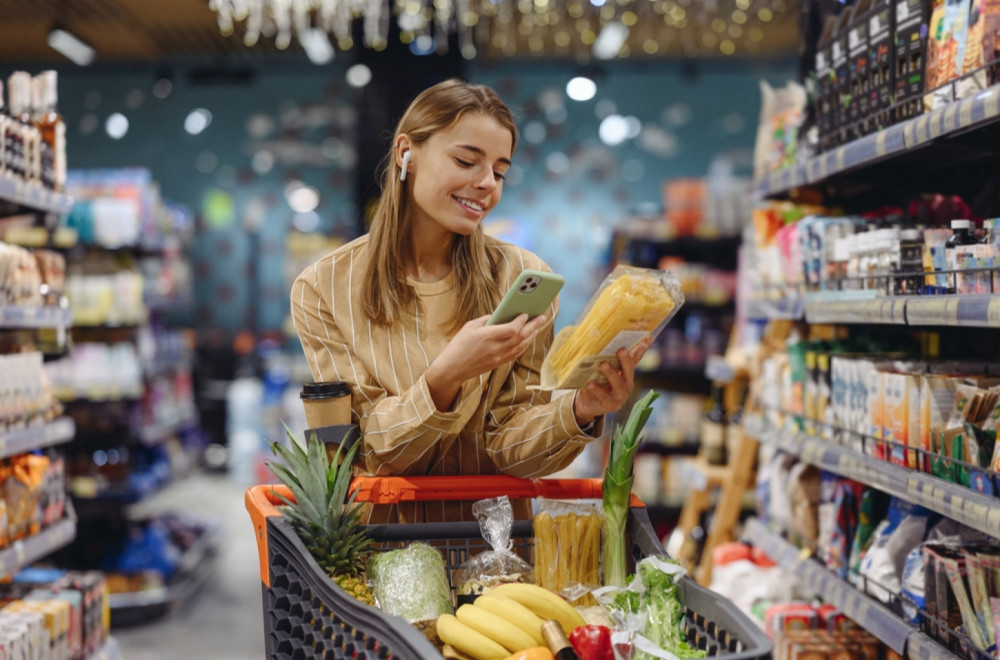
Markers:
403,434
530,433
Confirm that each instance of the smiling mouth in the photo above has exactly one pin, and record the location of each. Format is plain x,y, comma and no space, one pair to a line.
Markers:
469,204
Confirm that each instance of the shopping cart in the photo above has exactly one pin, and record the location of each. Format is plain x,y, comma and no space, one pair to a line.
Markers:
307,616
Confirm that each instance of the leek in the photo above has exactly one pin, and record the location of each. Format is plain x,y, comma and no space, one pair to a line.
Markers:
617,488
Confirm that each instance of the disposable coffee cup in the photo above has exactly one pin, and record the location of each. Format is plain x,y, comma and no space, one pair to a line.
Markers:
326,404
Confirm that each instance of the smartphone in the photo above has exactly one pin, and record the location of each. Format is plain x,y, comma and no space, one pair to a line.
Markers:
531,293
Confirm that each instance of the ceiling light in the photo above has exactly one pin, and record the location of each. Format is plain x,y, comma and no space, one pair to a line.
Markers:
610,41
581,89
317,46
71,46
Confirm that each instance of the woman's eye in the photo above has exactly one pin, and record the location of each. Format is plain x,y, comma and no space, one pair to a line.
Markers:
500,175
463,163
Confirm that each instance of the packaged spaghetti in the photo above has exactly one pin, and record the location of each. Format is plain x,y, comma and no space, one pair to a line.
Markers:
567,548
630,305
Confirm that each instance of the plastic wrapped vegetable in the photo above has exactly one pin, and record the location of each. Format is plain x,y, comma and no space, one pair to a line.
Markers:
652,608
497,565
411,583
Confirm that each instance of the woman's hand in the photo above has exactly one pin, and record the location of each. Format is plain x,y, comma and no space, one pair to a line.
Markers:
478,349
595,400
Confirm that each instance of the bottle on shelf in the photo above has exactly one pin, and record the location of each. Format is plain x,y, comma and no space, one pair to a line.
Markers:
26,137
4,132
557,641
961,234
52,128
713,428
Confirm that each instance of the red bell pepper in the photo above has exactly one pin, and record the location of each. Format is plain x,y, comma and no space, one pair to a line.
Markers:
592,642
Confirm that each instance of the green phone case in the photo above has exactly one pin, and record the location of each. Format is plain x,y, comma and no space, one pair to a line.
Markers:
532,293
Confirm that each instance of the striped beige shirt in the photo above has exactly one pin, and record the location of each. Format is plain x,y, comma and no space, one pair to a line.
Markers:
497,425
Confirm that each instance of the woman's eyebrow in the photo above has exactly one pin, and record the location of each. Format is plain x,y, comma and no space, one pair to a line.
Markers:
477,150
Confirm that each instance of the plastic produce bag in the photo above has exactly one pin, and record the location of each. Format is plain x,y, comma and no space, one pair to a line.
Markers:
568,549
652,607
395,574
499,564
631,304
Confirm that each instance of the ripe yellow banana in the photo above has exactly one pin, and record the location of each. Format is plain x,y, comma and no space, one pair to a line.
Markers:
468,641
514,612
495,627
543,603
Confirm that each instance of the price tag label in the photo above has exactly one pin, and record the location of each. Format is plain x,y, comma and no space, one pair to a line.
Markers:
993,521
956,503
910,133
993,312
951,117
19,552
841,157
922,125
824,166
3,446
935,123
976,514
965,113
880,143
991,104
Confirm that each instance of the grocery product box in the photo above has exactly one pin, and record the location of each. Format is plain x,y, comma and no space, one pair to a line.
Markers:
826,85
881,70
909,54
839,60
858,70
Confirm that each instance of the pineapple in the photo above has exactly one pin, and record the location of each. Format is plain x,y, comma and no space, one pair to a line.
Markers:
323,515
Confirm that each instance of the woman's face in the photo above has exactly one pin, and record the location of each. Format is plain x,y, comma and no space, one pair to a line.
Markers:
458,173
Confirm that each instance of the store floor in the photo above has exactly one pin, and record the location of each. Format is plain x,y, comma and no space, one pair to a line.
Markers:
223,620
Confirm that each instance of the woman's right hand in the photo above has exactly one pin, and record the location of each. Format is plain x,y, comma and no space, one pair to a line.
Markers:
477,349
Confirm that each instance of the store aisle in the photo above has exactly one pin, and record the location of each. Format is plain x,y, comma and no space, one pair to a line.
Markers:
223,621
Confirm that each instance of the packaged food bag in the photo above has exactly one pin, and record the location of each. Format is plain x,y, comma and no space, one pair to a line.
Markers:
498,565
631,304
567,548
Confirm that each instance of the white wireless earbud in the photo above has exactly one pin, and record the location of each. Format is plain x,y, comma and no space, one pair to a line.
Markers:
407,155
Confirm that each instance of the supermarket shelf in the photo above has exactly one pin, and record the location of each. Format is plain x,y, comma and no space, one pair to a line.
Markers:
110,650
687,448
676,378
965,505
646,252
59,430
775,309
194,570
154,434
966,310
875,617
35,197
28,550
954,120
855,307
35,316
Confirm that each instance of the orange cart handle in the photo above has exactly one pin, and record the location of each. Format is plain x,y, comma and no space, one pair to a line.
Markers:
262,501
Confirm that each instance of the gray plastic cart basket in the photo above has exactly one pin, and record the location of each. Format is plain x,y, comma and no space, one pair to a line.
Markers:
306,615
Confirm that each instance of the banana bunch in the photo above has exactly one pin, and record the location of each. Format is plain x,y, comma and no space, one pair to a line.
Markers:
506,620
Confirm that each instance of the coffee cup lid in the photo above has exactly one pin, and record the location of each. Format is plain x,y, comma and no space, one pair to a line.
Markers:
325,390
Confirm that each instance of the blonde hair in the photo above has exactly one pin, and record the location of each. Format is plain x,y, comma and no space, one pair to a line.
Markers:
386,293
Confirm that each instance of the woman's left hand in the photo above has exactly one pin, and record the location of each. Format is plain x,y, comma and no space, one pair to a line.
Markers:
595,400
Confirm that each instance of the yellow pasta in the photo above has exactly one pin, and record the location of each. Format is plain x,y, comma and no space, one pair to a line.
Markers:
567,551
631,303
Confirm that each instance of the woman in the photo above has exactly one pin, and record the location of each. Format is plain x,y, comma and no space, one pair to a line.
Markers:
401,312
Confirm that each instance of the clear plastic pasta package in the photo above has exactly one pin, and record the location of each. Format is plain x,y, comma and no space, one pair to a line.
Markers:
567,544
631,304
